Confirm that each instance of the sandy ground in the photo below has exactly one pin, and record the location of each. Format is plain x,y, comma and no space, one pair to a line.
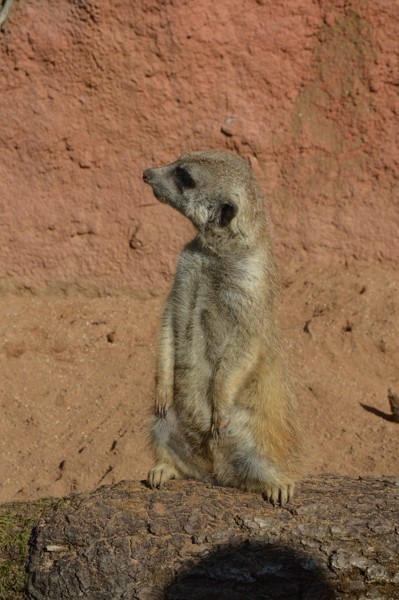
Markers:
77,379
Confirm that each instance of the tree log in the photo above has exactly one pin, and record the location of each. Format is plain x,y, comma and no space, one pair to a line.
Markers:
338,538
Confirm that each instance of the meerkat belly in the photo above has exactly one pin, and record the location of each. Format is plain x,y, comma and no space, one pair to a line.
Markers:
193,373
198,335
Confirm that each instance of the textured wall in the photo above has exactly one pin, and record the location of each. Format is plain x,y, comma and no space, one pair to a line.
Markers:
93,92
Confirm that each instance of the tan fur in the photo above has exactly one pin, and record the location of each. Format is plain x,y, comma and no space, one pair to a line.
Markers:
224,407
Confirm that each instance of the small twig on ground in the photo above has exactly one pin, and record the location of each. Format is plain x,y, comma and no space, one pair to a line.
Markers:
394,404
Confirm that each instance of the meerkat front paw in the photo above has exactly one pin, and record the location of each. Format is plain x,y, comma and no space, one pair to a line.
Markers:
163,400
160,474
219,424
279,494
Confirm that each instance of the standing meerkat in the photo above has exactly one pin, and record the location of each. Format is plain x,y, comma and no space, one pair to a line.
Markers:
225,411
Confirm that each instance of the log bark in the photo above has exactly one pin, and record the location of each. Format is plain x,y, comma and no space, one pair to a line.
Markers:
338,538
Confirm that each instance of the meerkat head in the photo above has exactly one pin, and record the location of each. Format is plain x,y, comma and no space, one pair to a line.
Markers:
215,190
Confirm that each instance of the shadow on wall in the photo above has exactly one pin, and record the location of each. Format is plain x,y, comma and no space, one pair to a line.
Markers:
252,571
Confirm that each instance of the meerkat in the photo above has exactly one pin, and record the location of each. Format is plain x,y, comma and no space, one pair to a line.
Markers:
225,411
5,10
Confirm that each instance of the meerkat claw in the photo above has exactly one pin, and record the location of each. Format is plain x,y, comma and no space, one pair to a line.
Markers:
162,411
160,474
279,495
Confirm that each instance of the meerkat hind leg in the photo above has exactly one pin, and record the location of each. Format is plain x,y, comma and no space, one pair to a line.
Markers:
175,456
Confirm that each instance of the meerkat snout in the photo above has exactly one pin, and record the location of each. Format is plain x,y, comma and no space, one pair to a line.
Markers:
207,191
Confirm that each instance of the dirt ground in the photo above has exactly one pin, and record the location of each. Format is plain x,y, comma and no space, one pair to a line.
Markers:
77,379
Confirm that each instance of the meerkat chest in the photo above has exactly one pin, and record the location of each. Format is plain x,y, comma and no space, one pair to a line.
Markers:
213,299
192,292
238,286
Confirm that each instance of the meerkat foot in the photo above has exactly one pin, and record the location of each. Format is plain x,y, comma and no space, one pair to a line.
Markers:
160,474
279,494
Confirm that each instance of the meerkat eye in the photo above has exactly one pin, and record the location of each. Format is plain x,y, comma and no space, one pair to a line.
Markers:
184,178
227,213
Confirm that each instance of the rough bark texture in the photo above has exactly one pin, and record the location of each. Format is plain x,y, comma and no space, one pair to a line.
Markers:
339,538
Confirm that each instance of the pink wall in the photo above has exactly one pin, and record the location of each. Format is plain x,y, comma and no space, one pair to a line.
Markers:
93,92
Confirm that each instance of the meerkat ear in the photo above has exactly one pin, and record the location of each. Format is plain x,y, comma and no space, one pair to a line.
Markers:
228,211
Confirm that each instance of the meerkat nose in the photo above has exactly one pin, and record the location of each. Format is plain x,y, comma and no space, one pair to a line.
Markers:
146,175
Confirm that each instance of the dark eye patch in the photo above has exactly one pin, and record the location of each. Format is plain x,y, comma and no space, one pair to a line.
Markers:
184,178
